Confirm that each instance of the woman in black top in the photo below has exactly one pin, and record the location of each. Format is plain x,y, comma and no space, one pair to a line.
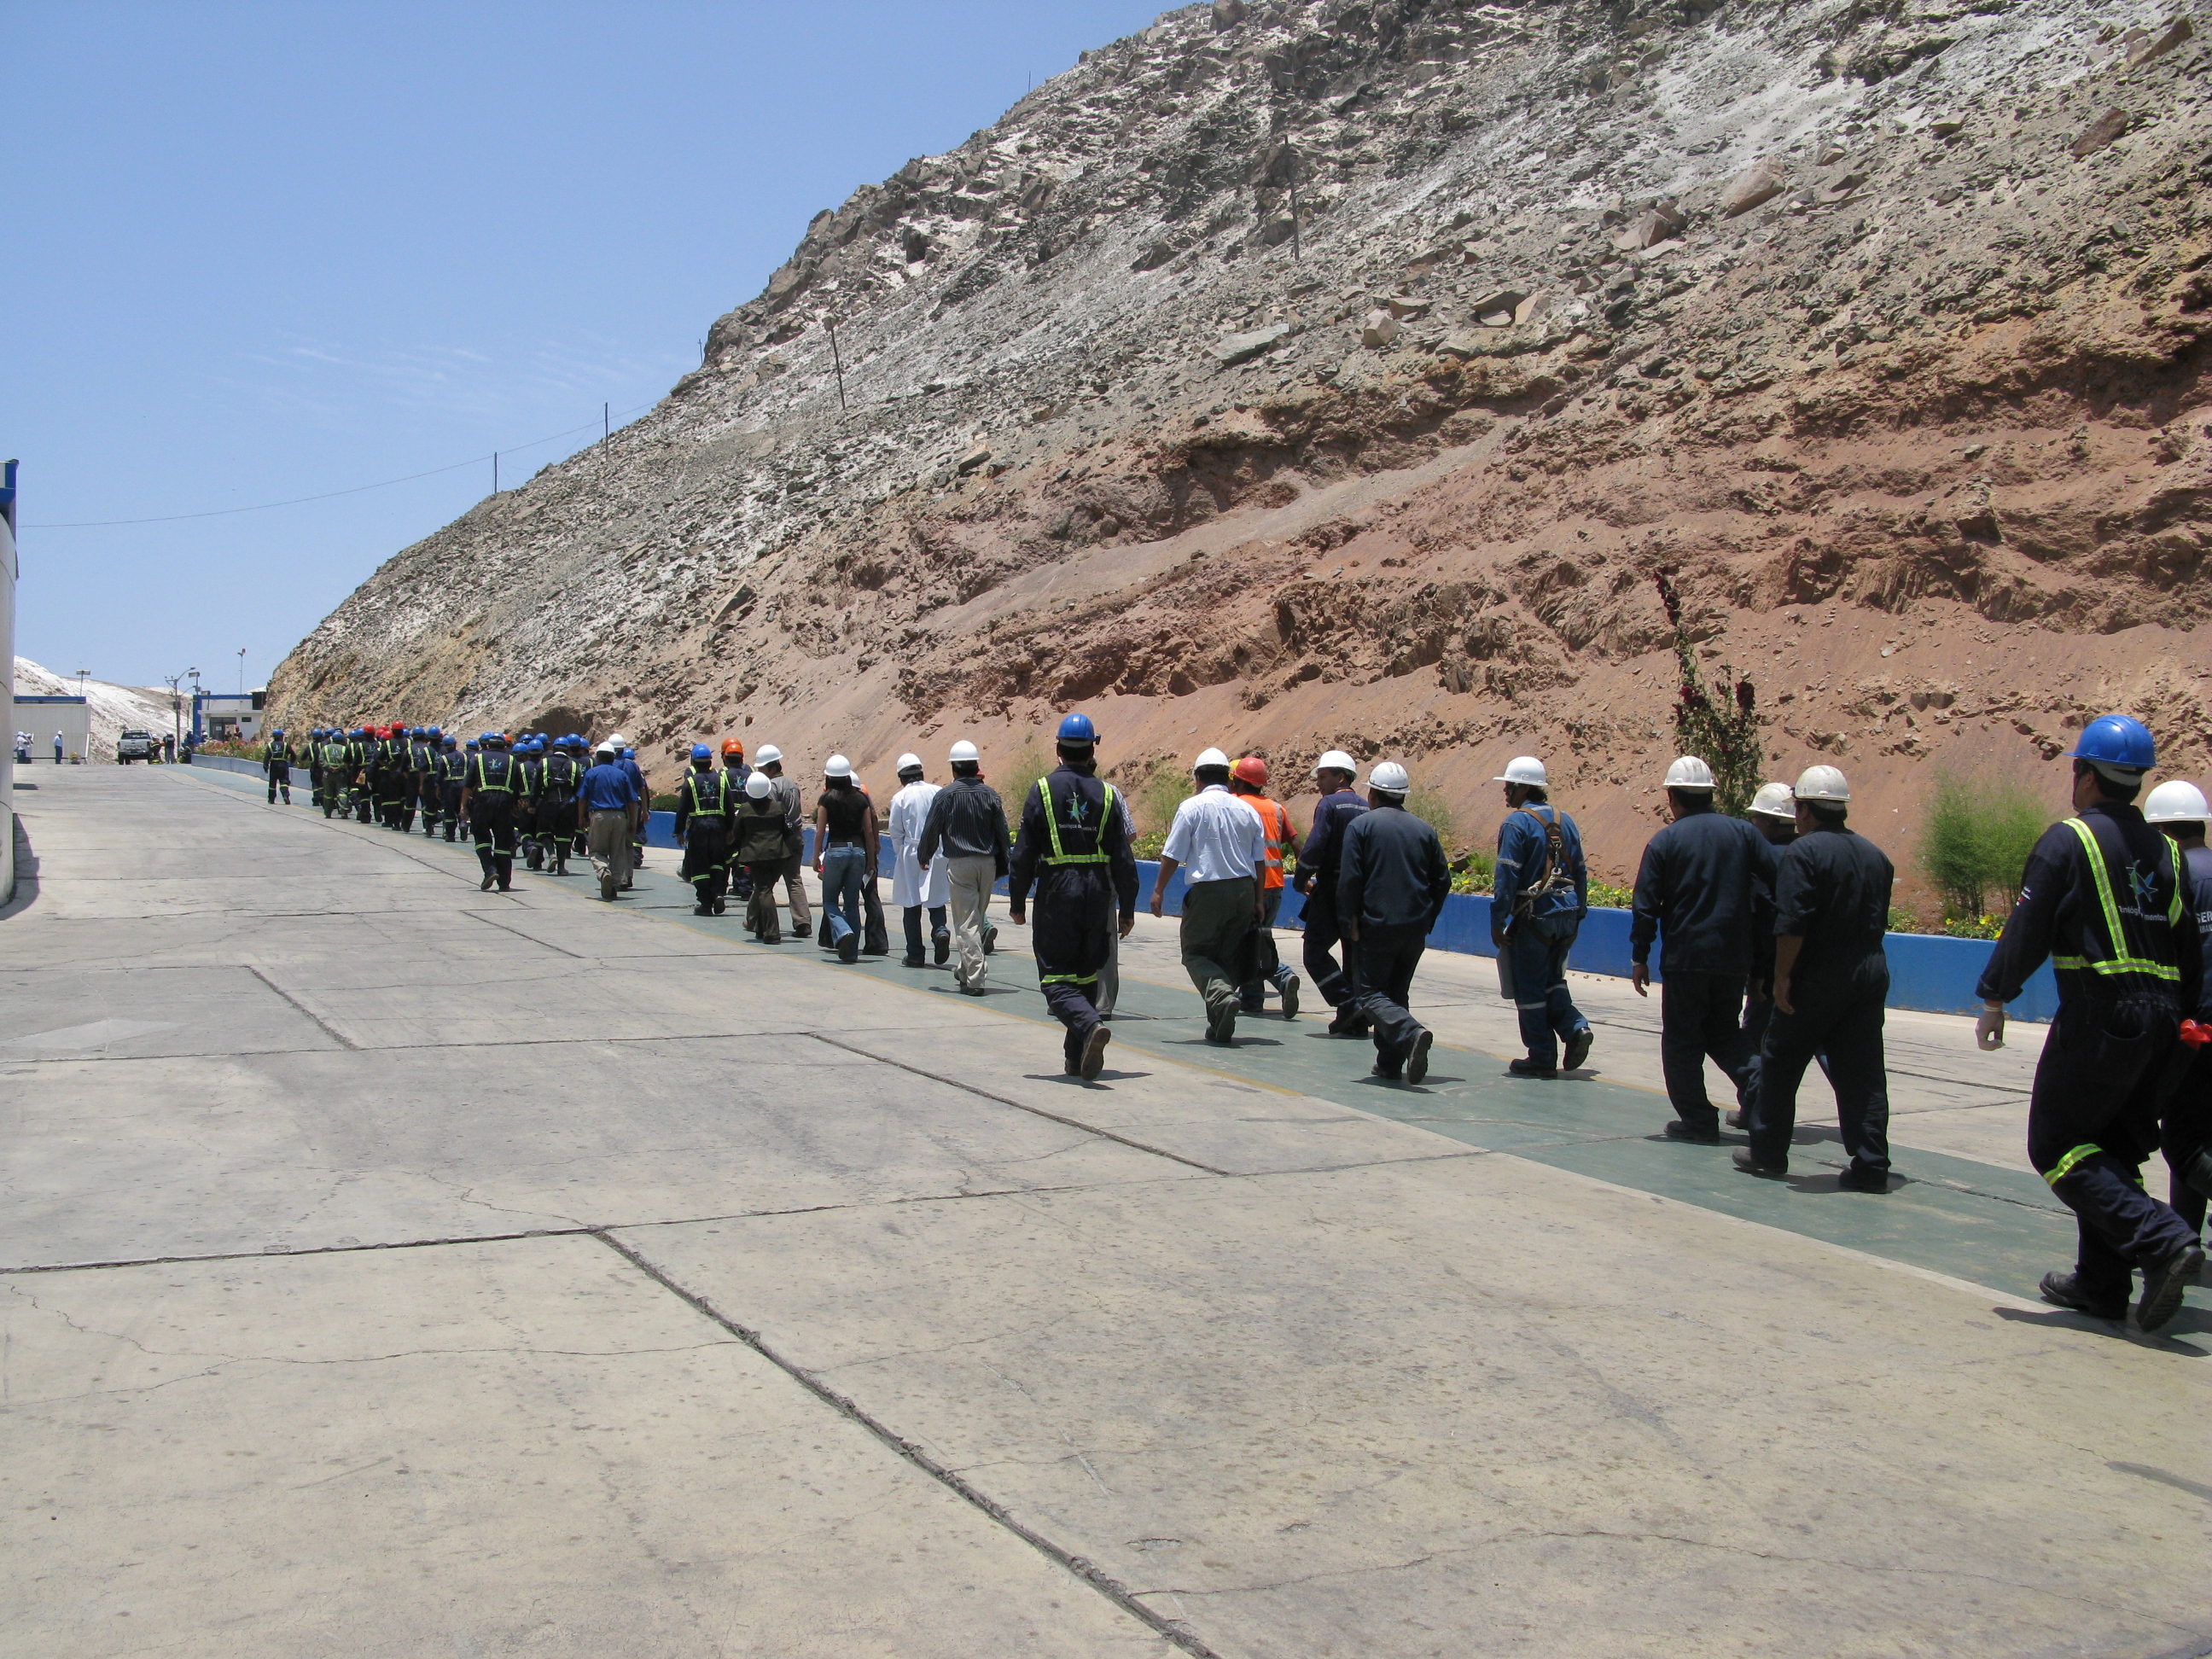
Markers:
845,840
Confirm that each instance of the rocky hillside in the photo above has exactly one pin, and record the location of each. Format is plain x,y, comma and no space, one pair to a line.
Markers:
1342,373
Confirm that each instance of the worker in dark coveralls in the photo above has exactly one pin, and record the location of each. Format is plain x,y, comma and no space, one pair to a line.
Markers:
2178,810
2102,898
1700,888
1390,889
1831,889
1073,845
706,808
1318,868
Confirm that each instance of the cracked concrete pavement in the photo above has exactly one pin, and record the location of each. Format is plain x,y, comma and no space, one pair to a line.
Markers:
390,1267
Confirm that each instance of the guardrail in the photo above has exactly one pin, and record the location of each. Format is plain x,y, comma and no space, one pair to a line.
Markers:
1927,972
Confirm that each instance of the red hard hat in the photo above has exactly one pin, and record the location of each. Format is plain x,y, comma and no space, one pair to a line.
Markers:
731,746
1252,771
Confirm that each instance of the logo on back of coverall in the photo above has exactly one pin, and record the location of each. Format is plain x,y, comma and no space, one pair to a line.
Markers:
2144,879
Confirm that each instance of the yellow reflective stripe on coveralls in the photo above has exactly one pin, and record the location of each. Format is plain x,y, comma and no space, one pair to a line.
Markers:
2114,934
2064,1167
1052,829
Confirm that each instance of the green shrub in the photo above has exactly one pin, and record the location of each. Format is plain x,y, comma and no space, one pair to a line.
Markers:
1013,777
1975,837
1155,796
1428,804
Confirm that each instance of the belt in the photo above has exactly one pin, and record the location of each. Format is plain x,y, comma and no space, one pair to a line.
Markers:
839,841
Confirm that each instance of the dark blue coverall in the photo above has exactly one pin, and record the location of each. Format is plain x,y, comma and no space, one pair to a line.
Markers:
1320,864
2186,1115
1074,847
1393,881
1700,888
1541,930
558,775
494,777
705,807
2102,900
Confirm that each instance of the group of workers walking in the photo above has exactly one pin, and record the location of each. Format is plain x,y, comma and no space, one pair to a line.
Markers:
1771,926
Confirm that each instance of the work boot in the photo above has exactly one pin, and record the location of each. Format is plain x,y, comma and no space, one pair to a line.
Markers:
1389,1070
1578,1048
1221,1023
484,886
1348,1024
1290,997
1526,1068
2163,1285
1680,1129
910,962
1751,1163
1417,1063
702,909
990,938
1854,1179
2065,1290
1094,1053
1735,1120
848,948
449,832
942,942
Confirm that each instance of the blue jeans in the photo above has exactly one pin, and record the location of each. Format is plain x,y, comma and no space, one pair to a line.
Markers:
1548,1014
843,869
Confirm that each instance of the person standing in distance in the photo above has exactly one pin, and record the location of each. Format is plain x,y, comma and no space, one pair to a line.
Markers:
914,889
1774,815
845,843
1699,885
276,762
488,799
1390,889
967,827
704,804
2179,812
1074,846
1248,781
2102,898
794,818
1318,868
1538,900
1216,840
1831,890
606,800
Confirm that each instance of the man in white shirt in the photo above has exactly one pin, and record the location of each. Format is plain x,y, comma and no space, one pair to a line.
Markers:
1218,842
914,887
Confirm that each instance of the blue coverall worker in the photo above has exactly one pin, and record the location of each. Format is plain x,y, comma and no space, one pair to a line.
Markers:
422,761
1831,890
639,814
1699,889
1774,815
2101,899
1072,847
489,795
2179,812
556,807
705,802
1248,781
276,762
360,764
1391,886
1315,881
311,752
453,777
390,780
530,754
1539,898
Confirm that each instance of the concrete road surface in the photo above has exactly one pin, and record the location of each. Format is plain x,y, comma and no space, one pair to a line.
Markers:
389,1267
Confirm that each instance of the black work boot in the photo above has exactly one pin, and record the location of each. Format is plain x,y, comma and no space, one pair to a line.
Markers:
2163,1283
2066,1291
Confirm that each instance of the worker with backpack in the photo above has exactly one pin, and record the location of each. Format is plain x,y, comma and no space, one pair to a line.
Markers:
1538,900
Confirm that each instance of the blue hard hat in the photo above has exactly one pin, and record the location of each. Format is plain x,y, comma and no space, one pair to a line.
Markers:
473,746
277,732
432,731
700,751
2119,741
1078,729
630,754
452,742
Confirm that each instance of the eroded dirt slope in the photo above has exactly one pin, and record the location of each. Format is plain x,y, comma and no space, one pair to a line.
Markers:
1324,374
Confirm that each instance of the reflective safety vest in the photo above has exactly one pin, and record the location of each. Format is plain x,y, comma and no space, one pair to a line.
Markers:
1275,826
700,785
1078,808
2127,958
560,776
492,774
335,753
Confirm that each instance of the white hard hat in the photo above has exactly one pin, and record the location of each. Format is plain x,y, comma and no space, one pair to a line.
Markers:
1336,761
768,754
1690,773
606,749
909,763
1774,801
1524,768
1209,757
837,767
759,787
619,741
2176,802
965,751
1390,778
1822,783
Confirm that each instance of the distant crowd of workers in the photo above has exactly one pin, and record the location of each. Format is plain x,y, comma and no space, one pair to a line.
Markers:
1771,926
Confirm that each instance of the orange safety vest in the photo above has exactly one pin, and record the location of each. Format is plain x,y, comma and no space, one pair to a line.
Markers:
1275,827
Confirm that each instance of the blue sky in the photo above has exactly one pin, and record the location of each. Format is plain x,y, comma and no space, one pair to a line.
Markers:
258,253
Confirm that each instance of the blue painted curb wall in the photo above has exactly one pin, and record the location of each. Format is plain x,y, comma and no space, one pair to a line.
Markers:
1927,972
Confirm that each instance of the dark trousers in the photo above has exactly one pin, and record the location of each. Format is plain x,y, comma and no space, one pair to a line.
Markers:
1072,915
914,927
706,859
1700,1014
1074,1004
1840,1012
1548,1014
494,837
449,795
556,820
1216,936
1268,964
432,797
2092,1121
2186,1132
1382,964
761,914
1330,981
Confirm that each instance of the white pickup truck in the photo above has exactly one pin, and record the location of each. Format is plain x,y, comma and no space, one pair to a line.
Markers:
137,745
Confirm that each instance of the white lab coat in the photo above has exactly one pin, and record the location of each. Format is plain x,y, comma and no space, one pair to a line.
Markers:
909,811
